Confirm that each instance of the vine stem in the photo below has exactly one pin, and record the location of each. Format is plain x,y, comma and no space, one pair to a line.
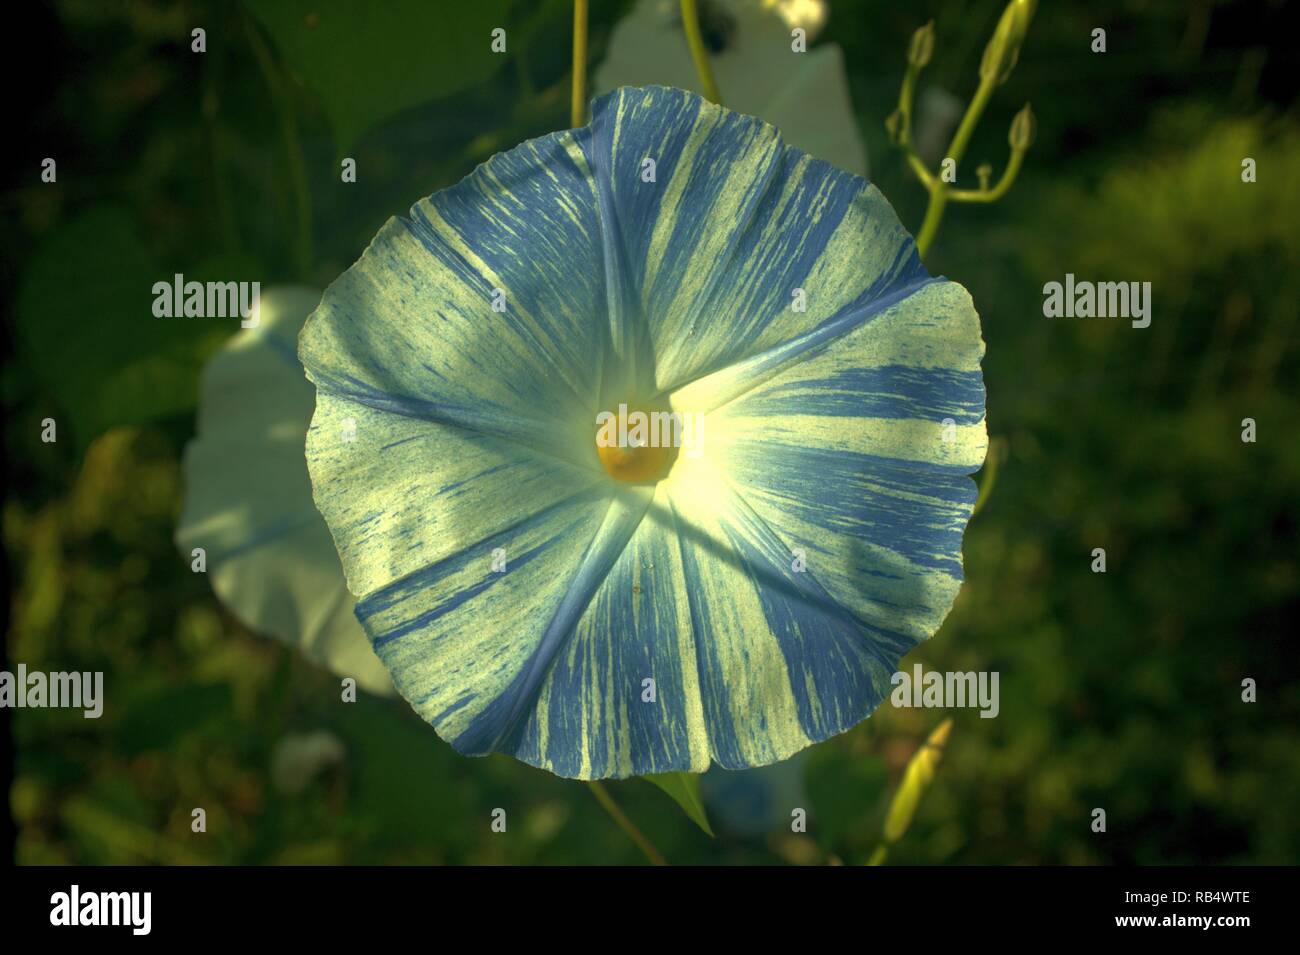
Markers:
627,825
960,140
695,40
578,103
990,477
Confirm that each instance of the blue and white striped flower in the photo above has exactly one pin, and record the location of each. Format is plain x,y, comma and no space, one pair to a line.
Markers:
601,614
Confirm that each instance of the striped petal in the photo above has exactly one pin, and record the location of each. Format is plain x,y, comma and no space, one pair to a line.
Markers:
478,310
755,68
852,465
623,695
740,243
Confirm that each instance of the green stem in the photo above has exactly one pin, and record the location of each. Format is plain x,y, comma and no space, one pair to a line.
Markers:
997,192
906,94
918,167
578,104
695,40
990,476
960,140
905,97
626,824
933,216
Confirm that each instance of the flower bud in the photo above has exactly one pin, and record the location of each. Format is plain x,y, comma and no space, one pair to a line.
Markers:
922,46
1004,49
1024,127
893,123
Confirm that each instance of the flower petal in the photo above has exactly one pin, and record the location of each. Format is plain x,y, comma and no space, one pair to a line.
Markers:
595,716
844,463
411,327
469,647
248,501
733,225
781,664
402,494
749,667
646,47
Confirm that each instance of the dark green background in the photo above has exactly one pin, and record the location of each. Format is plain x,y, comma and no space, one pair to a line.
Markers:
1119,691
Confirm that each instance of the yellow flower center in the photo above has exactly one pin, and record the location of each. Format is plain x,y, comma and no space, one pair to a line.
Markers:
633,445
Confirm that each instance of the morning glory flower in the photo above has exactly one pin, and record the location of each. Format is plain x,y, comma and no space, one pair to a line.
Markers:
605,611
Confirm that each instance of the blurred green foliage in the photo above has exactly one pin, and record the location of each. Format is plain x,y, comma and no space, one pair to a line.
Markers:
1119,691
368,61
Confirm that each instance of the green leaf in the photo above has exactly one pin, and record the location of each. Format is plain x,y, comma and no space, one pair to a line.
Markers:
85,320
368,61
684,788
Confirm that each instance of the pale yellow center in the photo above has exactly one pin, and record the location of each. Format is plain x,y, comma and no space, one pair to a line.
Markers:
636,465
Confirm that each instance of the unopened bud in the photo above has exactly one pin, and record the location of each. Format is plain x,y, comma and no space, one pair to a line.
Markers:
922,46
1004,49
893,123
1024,127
